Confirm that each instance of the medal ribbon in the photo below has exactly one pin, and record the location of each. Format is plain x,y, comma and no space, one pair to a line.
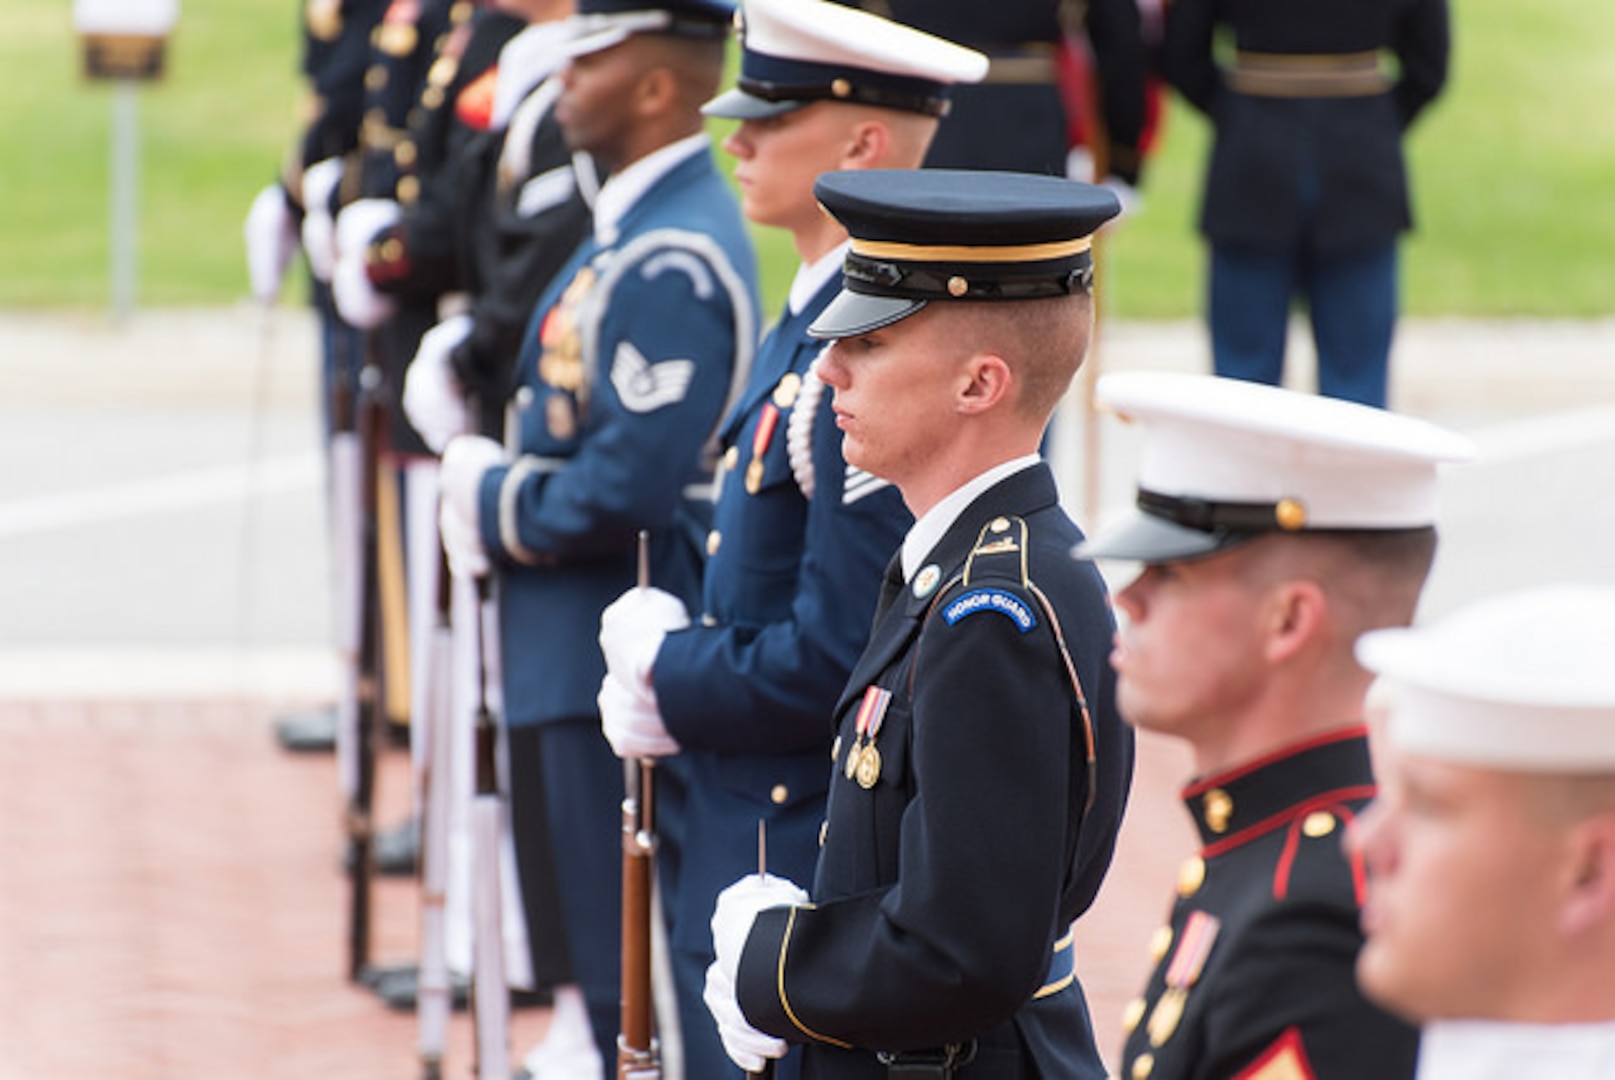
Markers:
764,434
1194,945
872,713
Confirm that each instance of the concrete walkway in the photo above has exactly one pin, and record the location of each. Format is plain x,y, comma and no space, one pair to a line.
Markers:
170,900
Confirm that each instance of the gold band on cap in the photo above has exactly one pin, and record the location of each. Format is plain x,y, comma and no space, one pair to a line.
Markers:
1011,253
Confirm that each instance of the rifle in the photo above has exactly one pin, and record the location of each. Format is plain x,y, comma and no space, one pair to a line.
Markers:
638,1055
767,1071
490,994
356,470
433,1002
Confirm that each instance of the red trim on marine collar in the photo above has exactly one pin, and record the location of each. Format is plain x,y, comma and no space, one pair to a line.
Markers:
1290,814
1356,731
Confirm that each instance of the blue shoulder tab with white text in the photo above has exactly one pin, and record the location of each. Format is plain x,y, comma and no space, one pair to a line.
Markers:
985,599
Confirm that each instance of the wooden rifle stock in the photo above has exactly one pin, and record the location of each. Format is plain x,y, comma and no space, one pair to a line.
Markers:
638,1055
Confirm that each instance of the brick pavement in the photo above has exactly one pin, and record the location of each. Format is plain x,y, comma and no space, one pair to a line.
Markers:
171,905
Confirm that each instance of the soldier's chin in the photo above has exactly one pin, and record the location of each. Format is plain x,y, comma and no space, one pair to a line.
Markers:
1377,978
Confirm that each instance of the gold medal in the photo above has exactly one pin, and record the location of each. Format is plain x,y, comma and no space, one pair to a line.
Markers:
1168,1011
854,753
789,385
754,476
396,39
868,767
562,419
324,18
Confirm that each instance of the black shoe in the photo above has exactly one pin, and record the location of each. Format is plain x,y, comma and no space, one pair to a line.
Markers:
398,850
399,988
373,975
312,732
542,998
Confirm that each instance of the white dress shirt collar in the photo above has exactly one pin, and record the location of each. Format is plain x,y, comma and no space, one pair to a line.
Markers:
940,518
810,278
624,189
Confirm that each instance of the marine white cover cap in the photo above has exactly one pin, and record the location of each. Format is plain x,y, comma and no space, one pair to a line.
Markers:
1523,682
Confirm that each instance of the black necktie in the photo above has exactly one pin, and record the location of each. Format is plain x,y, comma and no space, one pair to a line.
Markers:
891,584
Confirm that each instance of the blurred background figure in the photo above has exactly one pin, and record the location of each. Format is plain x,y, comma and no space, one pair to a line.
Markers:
1491,852
1306,192
1017,118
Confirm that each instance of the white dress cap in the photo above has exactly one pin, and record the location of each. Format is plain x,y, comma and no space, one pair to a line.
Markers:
1523,682
1223,460
797,51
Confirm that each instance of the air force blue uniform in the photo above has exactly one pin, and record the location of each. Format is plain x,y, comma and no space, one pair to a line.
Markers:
925,934
626,369
798,543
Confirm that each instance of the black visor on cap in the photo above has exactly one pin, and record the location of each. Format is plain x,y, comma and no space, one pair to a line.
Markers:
1146,538
736,104
851,314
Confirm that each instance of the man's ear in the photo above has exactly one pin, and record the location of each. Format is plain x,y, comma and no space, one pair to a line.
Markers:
1297,612
1590,899
655,91
867,145
985,383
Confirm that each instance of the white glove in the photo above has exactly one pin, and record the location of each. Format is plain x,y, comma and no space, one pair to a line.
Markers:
271,242
319,230
433,400
1128,195
631,631
746,1046
632,723
465,459
1079,165
732,919
357,300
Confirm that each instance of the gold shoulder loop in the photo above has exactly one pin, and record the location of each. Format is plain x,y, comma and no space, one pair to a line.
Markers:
1000,538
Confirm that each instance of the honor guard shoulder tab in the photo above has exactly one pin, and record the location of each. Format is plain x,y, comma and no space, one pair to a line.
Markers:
995,577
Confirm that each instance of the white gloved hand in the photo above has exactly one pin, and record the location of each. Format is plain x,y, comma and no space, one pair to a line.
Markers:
319,230
732,919
271,242
433,400
1128,195
631,631
746,1046
1079,164
632,723
465,459
737,908
357,300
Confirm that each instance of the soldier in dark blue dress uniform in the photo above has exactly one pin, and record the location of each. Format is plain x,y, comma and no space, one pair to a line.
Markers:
1274,528
980,768
799,537
628,364
1306,192
1016,118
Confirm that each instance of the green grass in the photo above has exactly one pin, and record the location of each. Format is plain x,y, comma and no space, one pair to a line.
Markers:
1513,169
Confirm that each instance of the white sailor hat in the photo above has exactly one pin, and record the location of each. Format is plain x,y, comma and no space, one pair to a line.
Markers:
1224,461
1523,682
798,51
599,24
